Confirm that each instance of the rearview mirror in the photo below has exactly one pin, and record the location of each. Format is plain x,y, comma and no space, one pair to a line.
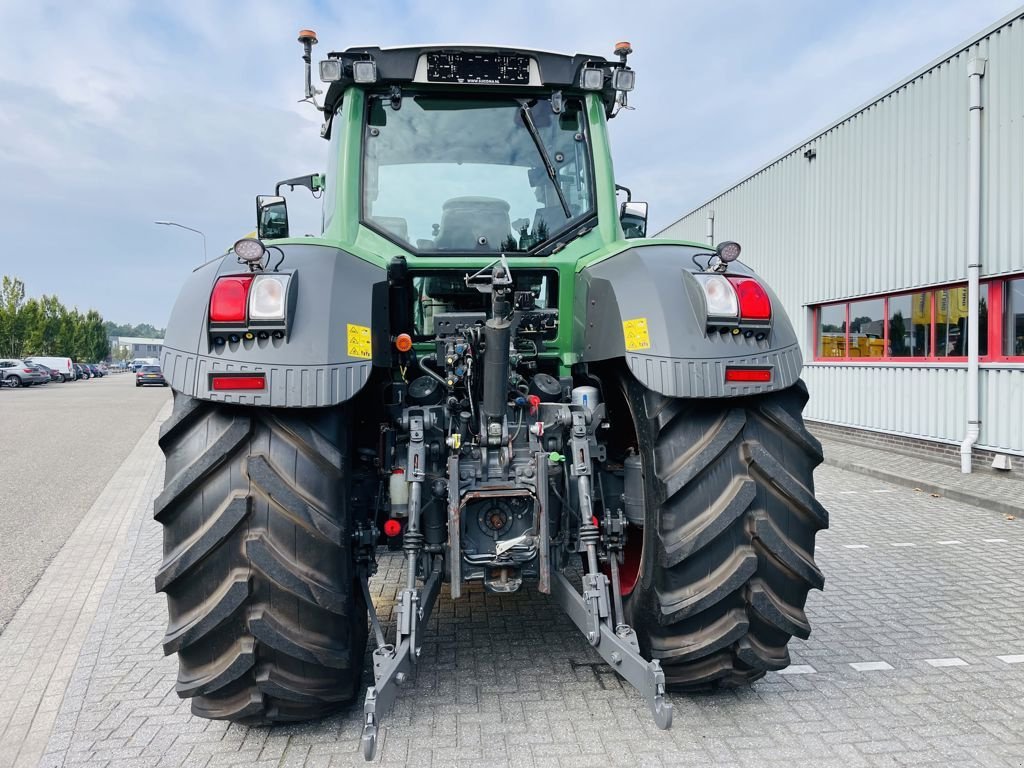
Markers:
271,217
633,217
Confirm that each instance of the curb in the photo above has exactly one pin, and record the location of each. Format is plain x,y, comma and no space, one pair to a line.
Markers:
956,494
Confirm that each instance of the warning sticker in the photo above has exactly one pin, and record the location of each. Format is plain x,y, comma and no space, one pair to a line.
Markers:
636,334
359,342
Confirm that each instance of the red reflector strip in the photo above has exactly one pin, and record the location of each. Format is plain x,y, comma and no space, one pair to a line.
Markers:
748,374
222,383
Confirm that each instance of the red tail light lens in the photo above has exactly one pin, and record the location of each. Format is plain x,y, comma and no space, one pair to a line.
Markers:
223,383
229,299
754,301
748,374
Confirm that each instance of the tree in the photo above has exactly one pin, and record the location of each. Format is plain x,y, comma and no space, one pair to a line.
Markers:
12,297
44,326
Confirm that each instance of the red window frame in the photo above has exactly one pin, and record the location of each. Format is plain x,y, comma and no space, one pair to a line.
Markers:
992,289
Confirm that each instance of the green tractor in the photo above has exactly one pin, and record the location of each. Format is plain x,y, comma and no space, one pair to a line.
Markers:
484,363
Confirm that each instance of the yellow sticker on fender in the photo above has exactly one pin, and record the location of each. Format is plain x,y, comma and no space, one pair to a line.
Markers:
359,342
637,336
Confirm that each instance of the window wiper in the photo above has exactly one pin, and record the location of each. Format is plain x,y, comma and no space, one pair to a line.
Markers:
524,110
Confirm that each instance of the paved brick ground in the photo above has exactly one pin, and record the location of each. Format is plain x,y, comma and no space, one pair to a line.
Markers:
41,645
924,596
984,487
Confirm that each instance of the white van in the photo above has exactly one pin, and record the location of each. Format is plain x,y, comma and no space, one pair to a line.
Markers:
61,365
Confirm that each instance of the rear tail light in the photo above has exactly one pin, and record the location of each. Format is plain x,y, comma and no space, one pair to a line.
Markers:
26,370
233,383
747,375
229,299
753,299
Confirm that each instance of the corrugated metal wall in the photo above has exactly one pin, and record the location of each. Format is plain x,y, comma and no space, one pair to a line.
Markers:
882,207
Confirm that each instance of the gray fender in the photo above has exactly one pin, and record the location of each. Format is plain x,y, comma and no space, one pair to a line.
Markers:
678,357
309,368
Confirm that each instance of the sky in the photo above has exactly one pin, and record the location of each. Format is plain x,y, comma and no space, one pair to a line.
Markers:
116,114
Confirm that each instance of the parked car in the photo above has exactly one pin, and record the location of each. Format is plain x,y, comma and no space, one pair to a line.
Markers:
62,365
149,374
21,372
40,369
54,375
138,362
95,370
83,372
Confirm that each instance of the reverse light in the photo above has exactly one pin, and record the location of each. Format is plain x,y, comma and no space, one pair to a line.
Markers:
268,297
229,298
748,375
592,78
235,383
754,301
719,295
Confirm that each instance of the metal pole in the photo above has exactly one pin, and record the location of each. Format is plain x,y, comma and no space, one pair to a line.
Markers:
190,229
710,231
975,71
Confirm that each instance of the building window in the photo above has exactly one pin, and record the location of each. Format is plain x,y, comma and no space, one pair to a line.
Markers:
909,323
1013,338
867,332
928,325
832,331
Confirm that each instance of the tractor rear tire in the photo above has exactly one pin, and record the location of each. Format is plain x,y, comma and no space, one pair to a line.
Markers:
266,612
728,541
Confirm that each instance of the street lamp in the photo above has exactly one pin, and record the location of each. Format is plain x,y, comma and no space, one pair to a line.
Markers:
176,224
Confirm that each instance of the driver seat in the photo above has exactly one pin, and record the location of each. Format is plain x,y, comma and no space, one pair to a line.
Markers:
465,220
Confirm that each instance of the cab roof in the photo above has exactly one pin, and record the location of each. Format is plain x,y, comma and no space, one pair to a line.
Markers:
408,64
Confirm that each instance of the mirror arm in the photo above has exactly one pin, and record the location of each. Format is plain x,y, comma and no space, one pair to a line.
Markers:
314,182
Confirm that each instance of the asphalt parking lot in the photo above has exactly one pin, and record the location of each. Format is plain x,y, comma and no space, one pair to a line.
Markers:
59,445
916,658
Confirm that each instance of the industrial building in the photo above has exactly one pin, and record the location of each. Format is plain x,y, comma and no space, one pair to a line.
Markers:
895,239
132,347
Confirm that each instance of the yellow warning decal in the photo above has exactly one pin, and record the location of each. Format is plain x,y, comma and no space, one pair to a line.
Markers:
359,342
637,336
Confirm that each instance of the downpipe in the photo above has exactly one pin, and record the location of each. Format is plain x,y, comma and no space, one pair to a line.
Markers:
975,71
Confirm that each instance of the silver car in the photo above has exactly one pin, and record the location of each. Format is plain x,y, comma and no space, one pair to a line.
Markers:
25,374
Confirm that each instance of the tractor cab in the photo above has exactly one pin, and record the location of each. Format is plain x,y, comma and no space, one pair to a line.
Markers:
473,150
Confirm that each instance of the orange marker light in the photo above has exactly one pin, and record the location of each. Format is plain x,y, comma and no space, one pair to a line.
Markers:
403,342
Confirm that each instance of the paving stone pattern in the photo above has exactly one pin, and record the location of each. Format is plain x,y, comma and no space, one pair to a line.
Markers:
508,681
41,646
984,487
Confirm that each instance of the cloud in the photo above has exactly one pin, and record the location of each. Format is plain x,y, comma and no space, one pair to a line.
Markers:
114,113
